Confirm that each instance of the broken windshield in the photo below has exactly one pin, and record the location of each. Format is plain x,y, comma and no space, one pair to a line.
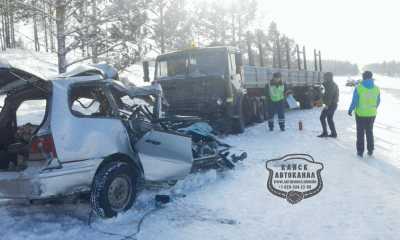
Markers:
198,64
172,67
209,63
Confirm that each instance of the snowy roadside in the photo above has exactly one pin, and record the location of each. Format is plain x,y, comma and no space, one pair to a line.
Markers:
360,199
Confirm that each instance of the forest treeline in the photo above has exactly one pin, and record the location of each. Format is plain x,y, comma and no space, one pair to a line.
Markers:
122,32
340,68
391,68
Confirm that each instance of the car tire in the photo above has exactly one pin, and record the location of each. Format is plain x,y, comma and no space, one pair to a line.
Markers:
114,189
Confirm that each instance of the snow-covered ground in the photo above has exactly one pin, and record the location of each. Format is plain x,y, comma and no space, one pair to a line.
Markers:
360,198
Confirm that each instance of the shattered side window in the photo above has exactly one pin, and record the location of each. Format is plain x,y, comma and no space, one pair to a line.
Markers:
128,105
2,100
89,101
31,112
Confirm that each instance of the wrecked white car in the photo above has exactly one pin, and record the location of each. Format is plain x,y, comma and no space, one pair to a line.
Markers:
87,132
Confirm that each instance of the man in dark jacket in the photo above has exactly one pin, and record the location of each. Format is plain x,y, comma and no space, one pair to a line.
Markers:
366,100
275,95
330,100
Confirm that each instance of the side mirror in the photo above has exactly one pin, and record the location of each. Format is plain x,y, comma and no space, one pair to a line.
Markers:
239,62
146,76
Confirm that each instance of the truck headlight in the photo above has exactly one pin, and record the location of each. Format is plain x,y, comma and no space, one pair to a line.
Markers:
219,101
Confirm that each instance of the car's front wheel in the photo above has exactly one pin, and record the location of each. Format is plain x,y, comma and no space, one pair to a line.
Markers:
114,189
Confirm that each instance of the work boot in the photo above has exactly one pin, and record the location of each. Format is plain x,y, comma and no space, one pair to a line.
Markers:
282,126
333,135
370,153
271,125
323,135
360,154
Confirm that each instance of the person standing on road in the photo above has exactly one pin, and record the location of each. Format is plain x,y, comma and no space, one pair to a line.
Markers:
330,100
275,94
366,99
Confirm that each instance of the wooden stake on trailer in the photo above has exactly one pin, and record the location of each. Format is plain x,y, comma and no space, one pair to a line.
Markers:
278,48
304,58
315,60
320,61
288,55
260,48
298,57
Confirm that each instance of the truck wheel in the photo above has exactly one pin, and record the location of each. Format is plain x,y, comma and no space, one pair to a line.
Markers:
239,123
265,110
114,189
260,112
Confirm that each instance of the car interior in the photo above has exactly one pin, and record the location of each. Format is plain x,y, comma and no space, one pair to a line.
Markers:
89,101
18,127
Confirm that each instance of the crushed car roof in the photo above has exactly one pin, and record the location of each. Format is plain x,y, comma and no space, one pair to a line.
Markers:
12,77
105,71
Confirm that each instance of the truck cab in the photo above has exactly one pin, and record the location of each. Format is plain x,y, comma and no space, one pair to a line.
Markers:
200,81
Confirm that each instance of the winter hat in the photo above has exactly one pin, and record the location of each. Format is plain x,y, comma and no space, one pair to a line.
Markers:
328,76
367,75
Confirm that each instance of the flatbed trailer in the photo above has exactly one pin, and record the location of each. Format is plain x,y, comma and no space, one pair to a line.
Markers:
304,85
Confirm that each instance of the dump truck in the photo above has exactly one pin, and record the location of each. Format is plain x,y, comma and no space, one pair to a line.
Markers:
213,83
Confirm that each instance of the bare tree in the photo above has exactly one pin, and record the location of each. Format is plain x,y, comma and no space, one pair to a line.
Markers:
61,8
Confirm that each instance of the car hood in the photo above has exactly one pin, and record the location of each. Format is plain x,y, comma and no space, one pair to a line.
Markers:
12,78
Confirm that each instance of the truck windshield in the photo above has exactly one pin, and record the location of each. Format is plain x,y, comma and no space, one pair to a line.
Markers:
172,67
207,63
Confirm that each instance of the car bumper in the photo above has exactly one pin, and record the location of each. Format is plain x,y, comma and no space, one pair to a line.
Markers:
30,184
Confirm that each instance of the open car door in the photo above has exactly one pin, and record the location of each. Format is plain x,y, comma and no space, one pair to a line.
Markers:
165,156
